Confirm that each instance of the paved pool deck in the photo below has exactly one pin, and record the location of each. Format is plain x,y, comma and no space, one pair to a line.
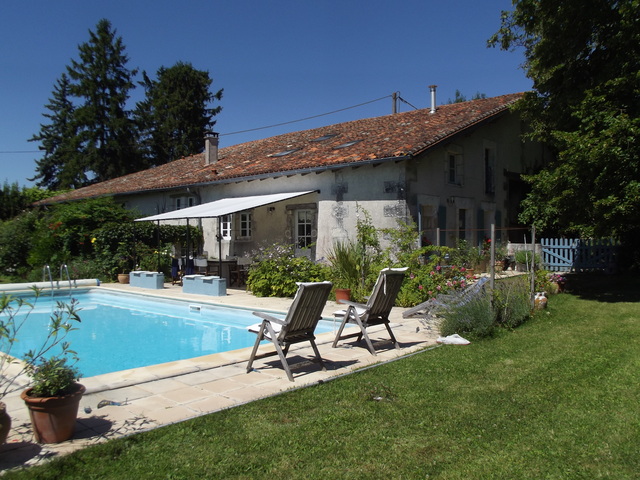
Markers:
151,397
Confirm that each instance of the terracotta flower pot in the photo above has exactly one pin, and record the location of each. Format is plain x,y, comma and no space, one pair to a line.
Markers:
343,294
123,278
5,423
53,418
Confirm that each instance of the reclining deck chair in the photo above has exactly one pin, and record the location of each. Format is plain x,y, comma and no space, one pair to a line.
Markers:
377,309
298,325
447,301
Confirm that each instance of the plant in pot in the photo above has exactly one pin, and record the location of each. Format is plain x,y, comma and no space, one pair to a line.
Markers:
53,399
354,263
343,259
524,260
125,257
14,313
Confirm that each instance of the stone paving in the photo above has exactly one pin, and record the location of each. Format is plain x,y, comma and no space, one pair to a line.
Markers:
146,398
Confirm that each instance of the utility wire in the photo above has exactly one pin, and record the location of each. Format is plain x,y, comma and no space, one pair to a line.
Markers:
307,118
269,126
20,151
403,100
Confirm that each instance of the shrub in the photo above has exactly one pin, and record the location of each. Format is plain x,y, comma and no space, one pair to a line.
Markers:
16,240
52,377
526,256
512,302
428,281
277,269
49,373
475,317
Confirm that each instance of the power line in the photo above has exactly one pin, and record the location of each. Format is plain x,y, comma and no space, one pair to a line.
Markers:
307,118
268,126
19,151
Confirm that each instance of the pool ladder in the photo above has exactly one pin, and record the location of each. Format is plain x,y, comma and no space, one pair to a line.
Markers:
64,270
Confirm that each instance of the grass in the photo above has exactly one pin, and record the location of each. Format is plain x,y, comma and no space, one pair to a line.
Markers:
555,398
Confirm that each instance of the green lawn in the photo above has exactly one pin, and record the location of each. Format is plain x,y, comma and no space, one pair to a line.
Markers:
556,398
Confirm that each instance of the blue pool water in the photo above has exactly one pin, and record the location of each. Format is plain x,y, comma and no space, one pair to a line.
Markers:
118,332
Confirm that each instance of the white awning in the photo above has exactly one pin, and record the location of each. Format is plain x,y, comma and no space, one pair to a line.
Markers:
225,206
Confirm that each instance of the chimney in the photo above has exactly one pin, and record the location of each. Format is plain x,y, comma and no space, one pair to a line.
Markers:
432,89
211,148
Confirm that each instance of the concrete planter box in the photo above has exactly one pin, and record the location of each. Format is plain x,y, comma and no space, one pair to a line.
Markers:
204,285
144,279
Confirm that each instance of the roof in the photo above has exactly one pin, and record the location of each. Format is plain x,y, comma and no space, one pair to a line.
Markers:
377,139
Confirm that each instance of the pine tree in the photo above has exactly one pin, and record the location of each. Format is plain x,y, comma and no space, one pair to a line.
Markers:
102,82
176,114
61,166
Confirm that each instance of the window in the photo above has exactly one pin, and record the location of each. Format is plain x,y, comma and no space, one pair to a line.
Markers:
489,170
245,225
225,227
284,153
454,169
347,144
184,202
304,223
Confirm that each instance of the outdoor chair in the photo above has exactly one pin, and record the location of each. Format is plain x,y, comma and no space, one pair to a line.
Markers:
201,265
297,326
238,273
176,271
447,301
377,309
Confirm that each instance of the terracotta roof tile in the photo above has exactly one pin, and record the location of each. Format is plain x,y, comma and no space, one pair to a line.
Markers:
378,138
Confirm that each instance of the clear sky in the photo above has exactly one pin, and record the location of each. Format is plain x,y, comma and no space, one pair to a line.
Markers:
277,60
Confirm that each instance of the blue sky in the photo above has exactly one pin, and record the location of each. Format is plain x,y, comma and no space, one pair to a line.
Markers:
278,61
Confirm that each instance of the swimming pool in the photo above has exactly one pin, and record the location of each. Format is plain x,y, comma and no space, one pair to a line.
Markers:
123,331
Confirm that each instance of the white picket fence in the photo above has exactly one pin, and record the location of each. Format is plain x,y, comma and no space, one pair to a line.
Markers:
576,255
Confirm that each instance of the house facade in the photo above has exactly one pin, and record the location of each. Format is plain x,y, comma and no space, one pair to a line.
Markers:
453,170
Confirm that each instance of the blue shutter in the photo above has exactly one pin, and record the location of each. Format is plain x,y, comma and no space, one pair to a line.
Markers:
442,224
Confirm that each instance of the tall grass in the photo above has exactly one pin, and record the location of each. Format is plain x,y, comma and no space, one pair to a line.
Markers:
555,398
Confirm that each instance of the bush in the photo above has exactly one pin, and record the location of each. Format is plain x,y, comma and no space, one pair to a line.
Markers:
512,301
16,239
277,269
476,317
424,282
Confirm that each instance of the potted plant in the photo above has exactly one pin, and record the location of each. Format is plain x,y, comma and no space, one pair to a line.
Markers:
343,259
125,258
524,260
13,318
53,399
501,258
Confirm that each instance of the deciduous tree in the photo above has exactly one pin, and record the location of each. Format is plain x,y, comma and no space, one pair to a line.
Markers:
584,59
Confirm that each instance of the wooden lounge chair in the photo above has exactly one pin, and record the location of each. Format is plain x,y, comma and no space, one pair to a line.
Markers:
298,325
377,309
447,301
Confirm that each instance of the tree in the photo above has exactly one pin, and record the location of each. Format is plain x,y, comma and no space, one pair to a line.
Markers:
61,165
584,59
459,98
102,81
176,114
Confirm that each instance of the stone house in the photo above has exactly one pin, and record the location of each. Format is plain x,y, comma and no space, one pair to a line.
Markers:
453,170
